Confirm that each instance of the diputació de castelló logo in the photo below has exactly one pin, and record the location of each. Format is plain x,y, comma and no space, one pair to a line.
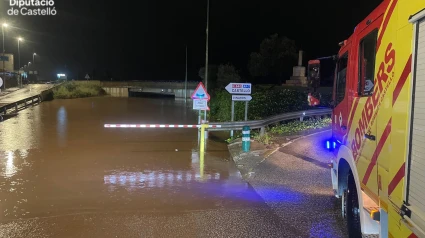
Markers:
32,8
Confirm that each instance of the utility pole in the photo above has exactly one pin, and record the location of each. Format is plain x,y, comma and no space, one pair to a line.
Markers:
185,80
206,46
3,59
206,52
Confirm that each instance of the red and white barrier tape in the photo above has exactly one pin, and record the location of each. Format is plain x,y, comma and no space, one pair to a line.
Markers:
156,126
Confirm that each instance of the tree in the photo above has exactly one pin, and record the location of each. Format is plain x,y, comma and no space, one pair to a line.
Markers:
212,76
274,60
226,74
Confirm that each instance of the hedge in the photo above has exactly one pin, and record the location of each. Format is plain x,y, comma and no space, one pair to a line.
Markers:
264,103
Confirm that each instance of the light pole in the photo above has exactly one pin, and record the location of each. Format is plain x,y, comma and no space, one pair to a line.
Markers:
19,58
206,46
4,25
185,80
34,67
206,53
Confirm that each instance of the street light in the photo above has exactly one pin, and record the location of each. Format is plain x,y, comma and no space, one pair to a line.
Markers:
19,59
206,52
4,25
33,57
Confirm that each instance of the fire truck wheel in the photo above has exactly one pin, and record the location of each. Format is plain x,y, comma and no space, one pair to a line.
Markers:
352,209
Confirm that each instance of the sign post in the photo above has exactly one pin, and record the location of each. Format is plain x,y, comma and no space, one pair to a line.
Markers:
200,102
240,93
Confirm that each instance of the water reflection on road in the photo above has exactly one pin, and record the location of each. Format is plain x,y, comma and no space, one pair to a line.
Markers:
57,158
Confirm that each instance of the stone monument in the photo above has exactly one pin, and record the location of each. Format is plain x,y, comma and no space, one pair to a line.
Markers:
298,77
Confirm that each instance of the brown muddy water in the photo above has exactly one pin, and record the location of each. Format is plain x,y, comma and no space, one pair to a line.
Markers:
57,159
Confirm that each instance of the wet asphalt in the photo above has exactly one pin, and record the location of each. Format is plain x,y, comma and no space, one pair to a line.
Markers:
295,183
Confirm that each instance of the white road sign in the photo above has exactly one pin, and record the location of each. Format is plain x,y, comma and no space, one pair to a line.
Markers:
200,104
239,88
1,82
87,77
243,98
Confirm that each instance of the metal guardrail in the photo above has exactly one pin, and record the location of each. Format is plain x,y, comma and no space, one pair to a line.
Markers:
15,106
262,124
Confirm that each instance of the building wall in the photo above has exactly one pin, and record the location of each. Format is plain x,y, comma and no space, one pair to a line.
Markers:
8,65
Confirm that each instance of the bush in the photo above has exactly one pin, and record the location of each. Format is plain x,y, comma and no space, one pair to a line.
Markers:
264,103
298,126
78,90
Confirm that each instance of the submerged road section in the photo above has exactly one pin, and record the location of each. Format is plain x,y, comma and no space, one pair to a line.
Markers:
62,174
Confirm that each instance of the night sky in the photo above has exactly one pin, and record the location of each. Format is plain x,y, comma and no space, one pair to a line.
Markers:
145,40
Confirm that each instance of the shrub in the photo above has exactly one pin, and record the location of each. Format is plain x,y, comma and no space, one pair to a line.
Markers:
77,90
264,103
298,126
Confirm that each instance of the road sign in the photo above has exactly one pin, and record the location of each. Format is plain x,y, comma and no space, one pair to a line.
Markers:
200,92
200,104
242,98
87,77
1,82
239,88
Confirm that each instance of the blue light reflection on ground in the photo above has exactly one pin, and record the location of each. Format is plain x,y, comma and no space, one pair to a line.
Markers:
280,194
321,228
245,192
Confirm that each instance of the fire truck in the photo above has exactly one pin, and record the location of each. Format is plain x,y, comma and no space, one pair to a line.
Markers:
378,123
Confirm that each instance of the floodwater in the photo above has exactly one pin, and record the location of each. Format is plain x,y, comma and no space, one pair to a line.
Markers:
57,160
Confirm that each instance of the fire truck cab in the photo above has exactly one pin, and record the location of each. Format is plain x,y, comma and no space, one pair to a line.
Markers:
378,123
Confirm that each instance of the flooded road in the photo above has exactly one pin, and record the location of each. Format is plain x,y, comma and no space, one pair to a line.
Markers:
62,174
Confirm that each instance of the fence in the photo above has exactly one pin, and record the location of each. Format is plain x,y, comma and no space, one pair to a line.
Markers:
16,106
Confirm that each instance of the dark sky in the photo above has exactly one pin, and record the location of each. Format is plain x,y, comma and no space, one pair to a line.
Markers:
145,40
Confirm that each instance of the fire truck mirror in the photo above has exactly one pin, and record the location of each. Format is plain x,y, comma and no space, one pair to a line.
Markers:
313,76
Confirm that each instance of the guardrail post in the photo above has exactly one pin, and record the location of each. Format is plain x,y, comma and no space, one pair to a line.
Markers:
25,103
16,107
232,117
246,139
302,117
262,131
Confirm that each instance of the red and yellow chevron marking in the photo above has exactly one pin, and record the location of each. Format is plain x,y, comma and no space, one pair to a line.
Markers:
396,180
378,149
401,82
385,22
